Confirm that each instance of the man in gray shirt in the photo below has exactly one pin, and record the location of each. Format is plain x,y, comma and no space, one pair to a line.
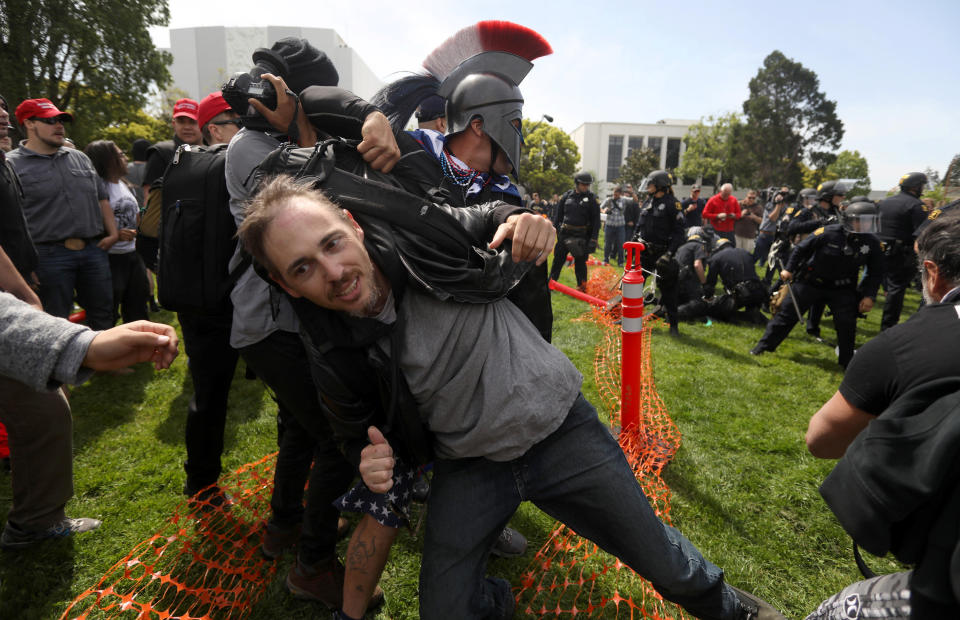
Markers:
502,404
70,221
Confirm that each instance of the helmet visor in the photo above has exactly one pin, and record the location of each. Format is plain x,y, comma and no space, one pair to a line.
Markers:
862,223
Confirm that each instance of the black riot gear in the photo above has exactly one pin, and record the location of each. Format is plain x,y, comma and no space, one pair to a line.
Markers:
828,189
583,177
915,181
660,179
861,217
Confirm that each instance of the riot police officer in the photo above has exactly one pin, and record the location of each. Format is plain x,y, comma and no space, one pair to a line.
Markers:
900,216
661,230
577,221
826,211
692,259
824,267
733,266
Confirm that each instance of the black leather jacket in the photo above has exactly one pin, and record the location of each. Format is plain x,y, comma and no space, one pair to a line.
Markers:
358,383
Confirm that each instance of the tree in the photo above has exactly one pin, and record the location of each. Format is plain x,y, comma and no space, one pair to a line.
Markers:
549,160
788,121
638,164
848,165
75,52
710,152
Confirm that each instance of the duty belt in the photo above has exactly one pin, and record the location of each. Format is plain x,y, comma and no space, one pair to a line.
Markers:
569,228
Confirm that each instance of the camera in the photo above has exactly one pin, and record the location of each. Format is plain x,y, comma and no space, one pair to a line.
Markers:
250,85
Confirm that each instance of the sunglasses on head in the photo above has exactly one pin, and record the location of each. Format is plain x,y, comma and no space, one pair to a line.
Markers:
53,120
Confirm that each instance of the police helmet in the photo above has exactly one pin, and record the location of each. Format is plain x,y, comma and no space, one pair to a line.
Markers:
807,197
861,217
695,233
583,177
721,243
913,180
828,189
660,179
859,198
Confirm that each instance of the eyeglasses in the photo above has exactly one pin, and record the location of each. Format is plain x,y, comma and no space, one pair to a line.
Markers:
53,120
233,121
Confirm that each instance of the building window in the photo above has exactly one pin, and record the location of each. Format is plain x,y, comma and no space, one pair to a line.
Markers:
673,153
614,157
634,143
654,145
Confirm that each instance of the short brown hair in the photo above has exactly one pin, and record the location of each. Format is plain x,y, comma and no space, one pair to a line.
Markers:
275,195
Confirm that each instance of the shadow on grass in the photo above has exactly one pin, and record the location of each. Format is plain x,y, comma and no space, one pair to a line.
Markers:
105,402
36,580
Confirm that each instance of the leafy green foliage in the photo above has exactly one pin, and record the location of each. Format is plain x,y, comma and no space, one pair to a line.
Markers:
710,154
847,165
788,120
638,164
78,53
549,159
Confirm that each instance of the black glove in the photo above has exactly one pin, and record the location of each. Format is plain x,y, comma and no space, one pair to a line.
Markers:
591,246
663,261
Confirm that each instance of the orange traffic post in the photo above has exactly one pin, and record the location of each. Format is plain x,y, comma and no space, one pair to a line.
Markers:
631,334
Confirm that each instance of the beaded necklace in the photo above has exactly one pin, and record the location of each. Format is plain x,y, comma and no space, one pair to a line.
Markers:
460,175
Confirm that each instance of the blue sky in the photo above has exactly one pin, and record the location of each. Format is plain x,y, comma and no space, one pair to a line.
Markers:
892,68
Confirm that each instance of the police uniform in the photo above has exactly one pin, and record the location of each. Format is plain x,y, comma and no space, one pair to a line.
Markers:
900,216
826,266
578,226
734,267
661,230
804,222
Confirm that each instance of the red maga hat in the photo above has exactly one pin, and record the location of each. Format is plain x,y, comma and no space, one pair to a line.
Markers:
186,107
38,108
210,106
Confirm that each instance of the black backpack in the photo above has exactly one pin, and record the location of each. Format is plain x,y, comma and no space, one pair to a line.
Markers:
197,233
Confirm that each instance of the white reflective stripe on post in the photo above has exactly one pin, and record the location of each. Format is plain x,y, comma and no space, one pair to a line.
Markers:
631,325
633,290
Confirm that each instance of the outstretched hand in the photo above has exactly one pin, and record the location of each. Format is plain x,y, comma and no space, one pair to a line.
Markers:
132,343
533,237
376,462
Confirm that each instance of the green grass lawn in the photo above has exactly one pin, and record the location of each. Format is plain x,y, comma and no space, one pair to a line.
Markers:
744,487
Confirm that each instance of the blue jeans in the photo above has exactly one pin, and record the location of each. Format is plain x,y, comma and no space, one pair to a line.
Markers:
579,476
614,236
61,271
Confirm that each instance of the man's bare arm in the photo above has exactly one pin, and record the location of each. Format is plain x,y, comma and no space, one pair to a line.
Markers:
834,427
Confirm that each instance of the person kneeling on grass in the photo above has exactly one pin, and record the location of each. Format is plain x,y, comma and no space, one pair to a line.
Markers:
502,406
39,352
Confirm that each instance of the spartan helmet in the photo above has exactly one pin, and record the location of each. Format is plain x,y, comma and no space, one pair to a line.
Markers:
485,87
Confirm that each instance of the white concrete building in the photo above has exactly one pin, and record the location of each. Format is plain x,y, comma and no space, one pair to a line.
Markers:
605,146
203,58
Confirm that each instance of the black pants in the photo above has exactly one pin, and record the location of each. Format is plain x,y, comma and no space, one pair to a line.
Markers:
900,266
576,245
130,289
667,283
212,361
843,304
281,362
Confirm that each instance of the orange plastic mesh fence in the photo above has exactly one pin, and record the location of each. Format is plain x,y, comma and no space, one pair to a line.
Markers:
570,576
204,563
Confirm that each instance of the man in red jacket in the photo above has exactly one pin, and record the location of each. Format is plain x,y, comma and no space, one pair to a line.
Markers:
722,211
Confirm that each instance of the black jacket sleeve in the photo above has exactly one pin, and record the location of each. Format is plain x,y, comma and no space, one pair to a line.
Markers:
335,110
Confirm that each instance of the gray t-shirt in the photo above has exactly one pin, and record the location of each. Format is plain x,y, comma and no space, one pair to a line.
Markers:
487,384
252,317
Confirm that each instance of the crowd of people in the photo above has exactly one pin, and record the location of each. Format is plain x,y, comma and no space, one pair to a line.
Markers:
389,344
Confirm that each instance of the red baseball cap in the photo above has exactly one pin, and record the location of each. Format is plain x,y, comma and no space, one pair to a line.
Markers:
186,107
38,108
210,106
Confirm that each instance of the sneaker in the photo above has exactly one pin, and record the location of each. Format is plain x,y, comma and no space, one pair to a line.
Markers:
755,608
277,540
510,544
15,538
